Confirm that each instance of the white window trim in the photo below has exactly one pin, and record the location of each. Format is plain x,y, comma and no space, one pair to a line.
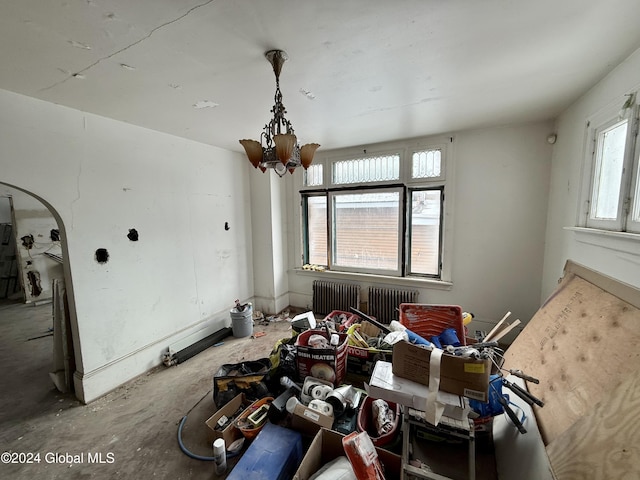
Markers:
634,188
593,125
419,282
623,242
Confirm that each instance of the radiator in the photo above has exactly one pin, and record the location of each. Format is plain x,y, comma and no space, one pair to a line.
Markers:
330,296
383,302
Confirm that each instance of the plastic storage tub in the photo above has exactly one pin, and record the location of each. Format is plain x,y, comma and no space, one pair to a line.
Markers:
365,422
274,455
431,320
249,430
342,320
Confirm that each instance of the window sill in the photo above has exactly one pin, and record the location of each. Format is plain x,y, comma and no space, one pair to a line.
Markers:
368,277
619,241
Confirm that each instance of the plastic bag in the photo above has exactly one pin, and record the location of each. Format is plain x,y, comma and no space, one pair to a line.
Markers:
248,377
283,360
383,417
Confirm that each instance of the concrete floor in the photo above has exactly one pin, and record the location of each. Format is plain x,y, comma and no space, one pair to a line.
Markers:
134,428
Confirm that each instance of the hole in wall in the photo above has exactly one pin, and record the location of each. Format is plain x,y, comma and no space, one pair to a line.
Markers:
102,256
226,226
28,241
34,283
133,235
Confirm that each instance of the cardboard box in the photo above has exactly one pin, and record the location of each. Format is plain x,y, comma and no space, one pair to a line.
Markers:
387,386
360,360
230,433
309,421
327,446
462,376
325,363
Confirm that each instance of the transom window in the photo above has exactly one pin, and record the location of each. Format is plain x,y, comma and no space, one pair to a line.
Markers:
371,215
361,170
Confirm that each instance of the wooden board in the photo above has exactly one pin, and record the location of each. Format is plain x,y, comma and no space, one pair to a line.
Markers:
581,344
604,443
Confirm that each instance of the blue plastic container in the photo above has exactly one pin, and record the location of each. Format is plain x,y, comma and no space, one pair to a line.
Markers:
275,454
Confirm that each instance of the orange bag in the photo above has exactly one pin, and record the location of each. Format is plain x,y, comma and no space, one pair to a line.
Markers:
363,456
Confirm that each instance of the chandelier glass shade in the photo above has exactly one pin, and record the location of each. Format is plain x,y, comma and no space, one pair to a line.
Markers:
278,147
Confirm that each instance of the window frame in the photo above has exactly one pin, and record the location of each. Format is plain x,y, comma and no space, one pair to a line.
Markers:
304,201
331,238
405,150
628,194
633,226
409,230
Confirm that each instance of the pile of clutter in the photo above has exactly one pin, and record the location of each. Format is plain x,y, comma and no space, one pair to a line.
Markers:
305,384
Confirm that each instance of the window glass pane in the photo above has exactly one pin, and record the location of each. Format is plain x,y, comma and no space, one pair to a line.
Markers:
317,230
366,227
313,175
608,173
425,231
363,170
426,164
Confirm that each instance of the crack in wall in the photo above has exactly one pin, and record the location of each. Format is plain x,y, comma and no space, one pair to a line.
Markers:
107,57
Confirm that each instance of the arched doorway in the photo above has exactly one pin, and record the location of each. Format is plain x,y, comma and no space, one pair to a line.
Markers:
46,288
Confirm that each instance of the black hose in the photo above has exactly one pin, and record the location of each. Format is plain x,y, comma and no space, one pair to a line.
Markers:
185,450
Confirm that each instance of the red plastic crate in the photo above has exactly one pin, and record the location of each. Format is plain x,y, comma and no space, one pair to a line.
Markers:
429,320
349,319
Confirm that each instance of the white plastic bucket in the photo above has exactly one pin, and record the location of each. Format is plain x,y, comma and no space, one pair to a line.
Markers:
242,322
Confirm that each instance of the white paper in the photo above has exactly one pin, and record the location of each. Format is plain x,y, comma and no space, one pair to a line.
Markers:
435,408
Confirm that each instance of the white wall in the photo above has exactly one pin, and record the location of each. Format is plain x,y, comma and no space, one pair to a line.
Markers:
499,185
269,241
103,177
617,257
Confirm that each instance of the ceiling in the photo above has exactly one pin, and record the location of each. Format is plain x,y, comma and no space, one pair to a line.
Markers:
359,71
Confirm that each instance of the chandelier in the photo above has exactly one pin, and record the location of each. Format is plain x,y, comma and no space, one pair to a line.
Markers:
278,146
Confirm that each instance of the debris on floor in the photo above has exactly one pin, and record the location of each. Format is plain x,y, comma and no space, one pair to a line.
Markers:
305,386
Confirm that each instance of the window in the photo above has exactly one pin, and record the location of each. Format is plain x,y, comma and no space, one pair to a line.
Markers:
426,221
613,200
365,230
378,213
315,207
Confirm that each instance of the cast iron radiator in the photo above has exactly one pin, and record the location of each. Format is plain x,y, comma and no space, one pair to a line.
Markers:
329,296
383,302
